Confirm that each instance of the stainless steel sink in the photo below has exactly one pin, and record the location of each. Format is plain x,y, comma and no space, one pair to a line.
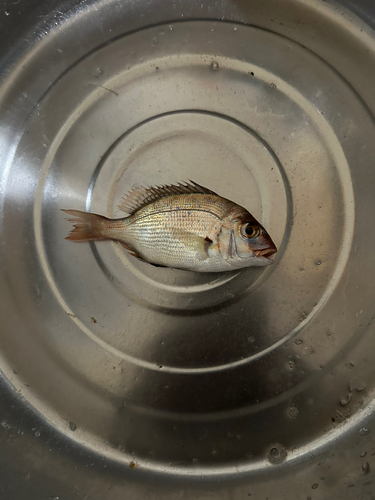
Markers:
119,380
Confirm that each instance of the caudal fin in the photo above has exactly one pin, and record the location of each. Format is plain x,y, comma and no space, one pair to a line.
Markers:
86,226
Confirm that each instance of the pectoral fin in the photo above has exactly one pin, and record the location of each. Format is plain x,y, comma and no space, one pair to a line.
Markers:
194,243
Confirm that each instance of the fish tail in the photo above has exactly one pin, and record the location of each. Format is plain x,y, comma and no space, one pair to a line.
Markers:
87,226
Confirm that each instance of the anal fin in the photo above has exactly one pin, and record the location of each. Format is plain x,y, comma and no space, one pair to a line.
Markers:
131,251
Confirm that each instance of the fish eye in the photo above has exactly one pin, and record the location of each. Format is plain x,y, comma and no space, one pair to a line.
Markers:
250,230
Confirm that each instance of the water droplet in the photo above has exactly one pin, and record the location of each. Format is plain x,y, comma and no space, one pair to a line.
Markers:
214,66
5,424
298,342
37,434
345,401
60,51
363,454
7,12
273,85
366,467
276,454
363,431
293,412
314,486
357,384
318,262
73,426
99,71
235,28
291,364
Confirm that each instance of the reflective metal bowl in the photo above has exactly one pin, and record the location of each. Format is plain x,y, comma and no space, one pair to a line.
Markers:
121,380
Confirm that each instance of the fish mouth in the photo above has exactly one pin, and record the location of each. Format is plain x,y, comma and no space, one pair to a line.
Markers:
266,253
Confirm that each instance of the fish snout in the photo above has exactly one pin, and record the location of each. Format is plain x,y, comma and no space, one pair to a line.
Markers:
267,252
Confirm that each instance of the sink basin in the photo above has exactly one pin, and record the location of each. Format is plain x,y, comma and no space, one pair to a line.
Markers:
122,380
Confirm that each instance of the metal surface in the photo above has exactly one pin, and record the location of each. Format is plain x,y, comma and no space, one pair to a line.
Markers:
121,380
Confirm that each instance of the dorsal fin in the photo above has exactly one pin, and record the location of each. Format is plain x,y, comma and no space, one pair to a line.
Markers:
142,196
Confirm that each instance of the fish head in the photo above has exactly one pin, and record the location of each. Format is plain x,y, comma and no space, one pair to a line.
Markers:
244,242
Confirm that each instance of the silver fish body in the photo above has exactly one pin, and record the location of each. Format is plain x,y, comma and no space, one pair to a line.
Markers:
185,226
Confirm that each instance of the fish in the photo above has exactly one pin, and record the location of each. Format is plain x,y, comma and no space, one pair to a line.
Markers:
181,226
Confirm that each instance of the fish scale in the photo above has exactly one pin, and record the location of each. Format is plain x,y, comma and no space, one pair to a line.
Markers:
174,226
166,237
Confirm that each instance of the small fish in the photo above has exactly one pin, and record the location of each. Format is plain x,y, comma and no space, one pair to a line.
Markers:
184,226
